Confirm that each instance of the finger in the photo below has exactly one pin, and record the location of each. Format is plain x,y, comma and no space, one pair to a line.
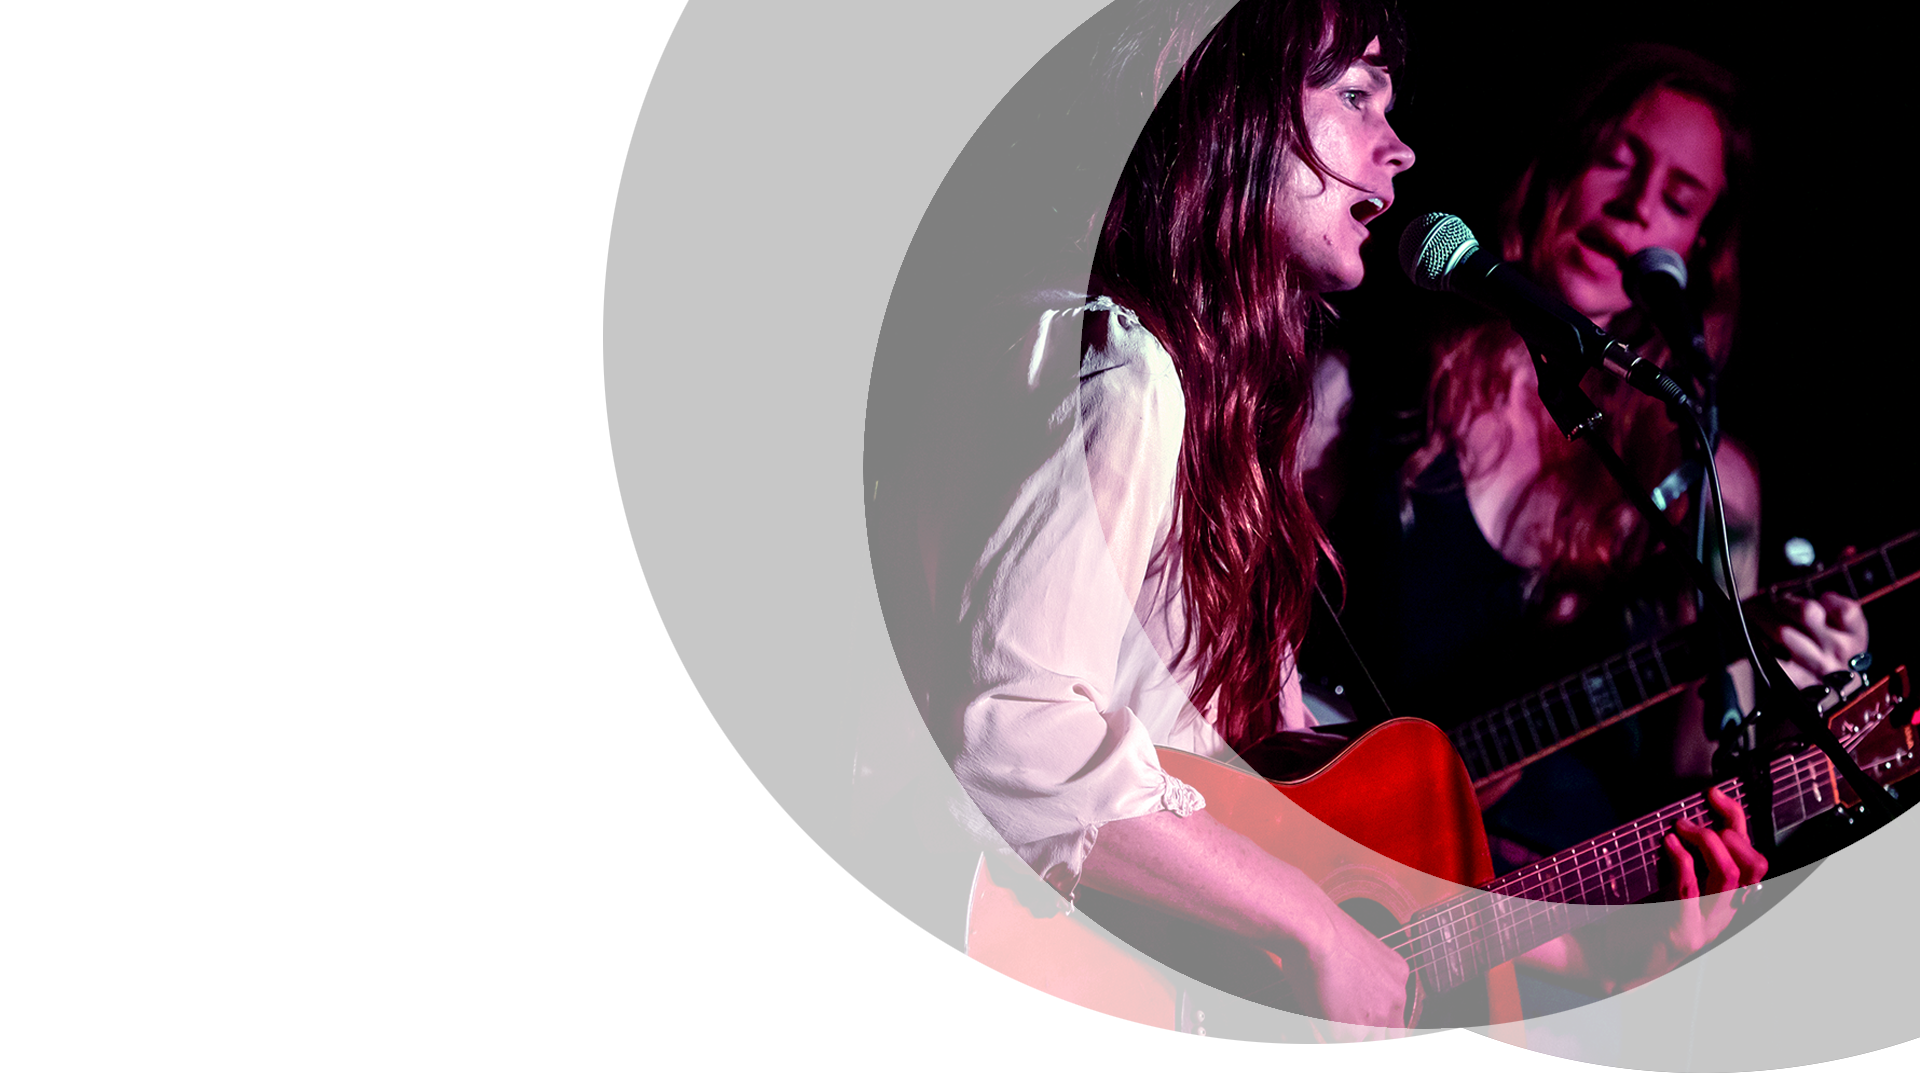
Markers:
1721,869
1753,865
1843,611
1686,885
1732,815
1837,623
1808,653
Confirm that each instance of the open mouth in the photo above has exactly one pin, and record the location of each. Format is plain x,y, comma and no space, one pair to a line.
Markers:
1369,208
1602,247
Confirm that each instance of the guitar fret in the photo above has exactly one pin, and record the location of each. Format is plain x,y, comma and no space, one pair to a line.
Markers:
1498,747
1573,715
1533,724
1653,650
1815,583
1471,753
1633,669
1870,577
1648,672
1519,730
1909,545
1519,911
1603,697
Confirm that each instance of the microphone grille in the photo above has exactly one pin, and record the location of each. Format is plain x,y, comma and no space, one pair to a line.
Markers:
1657,260
1432,246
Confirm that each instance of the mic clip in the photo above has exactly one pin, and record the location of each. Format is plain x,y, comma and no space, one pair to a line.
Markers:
1644,375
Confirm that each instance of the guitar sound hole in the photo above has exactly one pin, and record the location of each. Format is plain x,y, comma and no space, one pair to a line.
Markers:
1233,1013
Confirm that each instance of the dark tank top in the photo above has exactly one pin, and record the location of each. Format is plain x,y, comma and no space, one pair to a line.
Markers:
1447,628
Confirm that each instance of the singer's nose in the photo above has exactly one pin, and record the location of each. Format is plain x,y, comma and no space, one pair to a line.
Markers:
1396,154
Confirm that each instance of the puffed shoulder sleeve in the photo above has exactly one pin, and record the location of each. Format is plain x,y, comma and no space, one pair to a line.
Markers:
1046,747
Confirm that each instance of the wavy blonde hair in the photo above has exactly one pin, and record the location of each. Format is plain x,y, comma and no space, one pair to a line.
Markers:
1583,525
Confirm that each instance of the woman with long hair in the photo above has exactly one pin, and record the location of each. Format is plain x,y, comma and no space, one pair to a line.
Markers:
1496,512
1500,555
1111,550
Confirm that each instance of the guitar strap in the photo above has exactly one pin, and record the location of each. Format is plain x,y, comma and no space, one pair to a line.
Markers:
1386,712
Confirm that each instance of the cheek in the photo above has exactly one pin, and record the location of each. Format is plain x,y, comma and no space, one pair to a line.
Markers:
1590,198
1683,236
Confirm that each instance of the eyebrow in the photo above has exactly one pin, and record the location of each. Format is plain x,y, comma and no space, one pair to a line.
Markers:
1377,78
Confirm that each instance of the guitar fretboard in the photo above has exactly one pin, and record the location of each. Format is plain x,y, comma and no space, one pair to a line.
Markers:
1529,907
1531,727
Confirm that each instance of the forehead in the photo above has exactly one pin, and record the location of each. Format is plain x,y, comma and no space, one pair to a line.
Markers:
1681,130
1369,71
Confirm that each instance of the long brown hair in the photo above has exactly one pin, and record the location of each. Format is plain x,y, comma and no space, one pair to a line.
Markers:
1591,532
1191,242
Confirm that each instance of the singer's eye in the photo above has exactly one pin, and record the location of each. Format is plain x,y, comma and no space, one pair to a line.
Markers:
1355,99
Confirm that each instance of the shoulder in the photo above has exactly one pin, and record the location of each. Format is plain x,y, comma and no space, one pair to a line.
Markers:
1076,358
1076,331
1739,483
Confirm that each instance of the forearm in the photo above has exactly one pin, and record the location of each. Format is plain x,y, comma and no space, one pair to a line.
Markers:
1200,870
1206,873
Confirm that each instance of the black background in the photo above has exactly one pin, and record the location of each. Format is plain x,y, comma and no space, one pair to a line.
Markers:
845,189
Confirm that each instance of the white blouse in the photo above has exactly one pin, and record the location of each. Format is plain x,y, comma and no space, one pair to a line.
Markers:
1071,611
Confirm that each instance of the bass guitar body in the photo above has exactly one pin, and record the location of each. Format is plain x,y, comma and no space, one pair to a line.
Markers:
1386,824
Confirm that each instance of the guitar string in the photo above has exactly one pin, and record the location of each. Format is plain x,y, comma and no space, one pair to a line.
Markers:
1486,728
1792,779
1636,850
1644,839
1538,871
1648,838
1520,882
1677,645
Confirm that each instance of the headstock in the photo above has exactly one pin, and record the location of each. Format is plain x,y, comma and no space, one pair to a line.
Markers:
1877,725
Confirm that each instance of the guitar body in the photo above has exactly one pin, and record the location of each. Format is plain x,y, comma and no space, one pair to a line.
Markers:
1387,827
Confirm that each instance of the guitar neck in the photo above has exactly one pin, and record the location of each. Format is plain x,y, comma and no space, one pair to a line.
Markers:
1529,907
1529,728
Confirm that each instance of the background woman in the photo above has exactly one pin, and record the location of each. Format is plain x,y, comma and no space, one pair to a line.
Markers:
1499,556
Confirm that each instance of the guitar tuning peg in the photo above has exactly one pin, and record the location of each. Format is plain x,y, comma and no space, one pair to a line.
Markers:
1845,684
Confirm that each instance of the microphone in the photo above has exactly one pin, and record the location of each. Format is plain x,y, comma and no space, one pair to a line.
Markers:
1439,252
1656,279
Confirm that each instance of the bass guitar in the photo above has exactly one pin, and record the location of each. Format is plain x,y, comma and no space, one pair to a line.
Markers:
1389,828
1505,740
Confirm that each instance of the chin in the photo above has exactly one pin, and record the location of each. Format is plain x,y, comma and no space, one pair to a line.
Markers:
1597,302
1344,281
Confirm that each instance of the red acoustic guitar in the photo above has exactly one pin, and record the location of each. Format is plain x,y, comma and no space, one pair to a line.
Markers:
1389,827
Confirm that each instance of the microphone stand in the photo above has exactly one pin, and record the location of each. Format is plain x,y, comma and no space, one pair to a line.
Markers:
1743,752
1577,416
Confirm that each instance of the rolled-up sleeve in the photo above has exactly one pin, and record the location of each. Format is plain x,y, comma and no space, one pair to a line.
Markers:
1043,746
